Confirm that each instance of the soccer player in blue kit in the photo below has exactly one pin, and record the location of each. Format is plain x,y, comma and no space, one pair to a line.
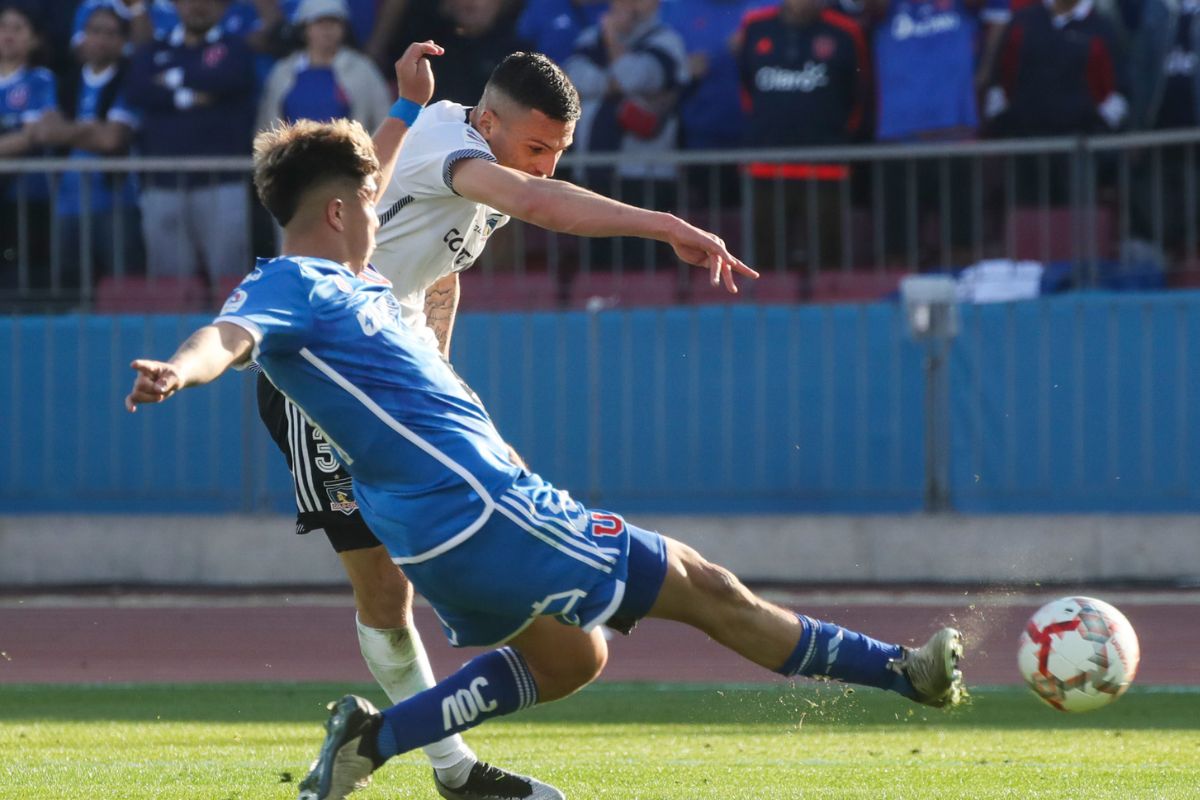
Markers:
505,559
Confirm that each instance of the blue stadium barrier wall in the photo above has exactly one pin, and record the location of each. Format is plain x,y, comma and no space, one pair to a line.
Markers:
1078,403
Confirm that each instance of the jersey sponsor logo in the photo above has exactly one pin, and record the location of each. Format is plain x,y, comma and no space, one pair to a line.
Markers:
235,301
341,496
607,524
905,26
454,240
777,79
465,705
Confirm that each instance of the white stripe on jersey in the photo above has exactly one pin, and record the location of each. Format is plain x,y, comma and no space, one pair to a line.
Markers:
489,505
306,493
538,533
524,506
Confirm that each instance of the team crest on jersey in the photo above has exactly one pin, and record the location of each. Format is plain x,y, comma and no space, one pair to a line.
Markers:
214,55
490,223
824,47
235,301
341,496
17,97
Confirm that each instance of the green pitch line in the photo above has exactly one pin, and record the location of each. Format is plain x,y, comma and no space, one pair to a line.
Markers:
613,742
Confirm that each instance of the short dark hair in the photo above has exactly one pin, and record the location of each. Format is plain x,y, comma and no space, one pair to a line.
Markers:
534,81
291,159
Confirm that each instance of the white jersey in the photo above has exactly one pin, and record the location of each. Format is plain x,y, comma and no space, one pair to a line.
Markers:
427,230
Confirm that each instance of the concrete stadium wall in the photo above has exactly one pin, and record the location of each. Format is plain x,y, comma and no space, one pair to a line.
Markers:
46,551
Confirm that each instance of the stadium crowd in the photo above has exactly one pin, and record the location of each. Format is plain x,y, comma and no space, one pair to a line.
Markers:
184,78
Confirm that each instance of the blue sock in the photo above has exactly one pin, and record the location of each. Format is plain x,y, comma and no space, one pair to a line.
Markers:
828,650
491,685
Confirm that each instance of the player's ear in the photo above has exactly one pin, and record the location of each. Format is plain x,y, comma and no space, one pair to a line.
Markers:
487,123
333,215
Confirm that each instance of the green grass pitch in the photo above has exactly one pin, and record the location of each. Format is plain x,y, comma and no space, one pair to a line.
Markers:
627,741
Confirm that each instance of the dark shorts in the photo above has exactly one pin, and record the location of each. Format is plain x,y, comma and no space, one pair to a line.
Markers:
324,497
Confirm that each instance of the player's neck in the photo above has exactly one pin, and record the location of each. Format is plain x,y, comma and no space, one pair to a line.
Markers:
307,245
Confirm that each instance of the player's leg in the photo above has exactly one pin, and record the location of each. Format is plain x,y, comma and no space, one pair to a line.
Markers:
547,661
390,644
709,597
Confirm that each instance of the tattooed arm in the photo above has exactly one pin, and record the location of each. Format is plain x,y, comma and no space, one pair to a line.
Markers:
441,305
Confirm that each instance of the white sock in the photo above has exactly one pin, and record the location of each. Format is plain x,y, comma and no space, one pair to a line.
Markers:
398,661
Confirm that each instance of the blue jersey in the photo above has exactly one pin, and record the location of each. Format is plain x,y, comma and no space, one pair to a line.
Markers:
316,95
88,108
25,96
422,450
925,68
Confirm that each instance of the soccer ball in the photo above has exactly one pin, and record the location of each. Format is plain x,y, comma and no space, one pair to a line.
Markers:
1078,653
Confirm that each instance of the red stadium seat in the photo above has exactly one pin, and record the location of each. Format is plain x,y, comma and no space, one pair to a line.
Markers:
856,286
1047,234
623,290
780,288
702,292
139,295
223,288
531,291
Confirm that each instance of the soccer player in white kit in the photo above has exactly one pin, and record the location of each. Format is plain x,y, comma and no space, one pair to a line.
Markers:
461,174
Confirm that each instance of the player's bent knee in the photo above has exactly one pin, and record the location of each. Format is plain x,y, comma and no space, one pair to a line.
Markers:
564,668
382,595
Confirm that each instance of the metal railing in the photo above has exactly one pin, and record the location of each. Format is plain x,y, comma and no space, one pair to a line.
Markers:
1103,210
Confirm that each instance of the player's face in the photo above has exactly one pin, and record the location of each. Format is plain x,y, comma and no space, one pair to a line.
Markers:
17,39
525,139
102,39
198,16
361,222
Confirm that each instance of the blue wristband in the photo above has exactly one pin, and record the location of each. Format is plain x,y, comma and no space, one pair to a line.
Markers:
405,110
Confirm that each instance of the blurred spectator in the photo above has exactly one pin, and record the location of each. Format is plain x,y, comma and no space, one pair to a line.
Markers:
630,69
328,79
1057,73
1164,44
257,21
27,92
102,124
483,34
553,26
360,18
925,68
399,22
805,74
711,112
1164,56
195,93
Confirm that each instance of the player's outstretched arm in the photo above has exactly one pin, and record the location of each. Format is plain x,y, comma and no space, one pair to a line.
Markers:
414,77
567,208
201,358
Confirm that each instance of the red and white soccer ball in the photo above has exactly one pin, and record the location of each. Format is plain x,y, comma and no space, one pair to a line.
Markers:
1078,653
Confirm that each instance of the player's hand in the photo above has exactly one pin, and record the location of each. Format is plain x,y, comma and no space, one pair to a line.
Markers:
707,250
414,75
155,382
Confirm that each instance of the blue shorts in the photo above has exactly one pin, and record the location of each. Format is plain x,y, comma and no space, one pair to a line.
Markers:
541,554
